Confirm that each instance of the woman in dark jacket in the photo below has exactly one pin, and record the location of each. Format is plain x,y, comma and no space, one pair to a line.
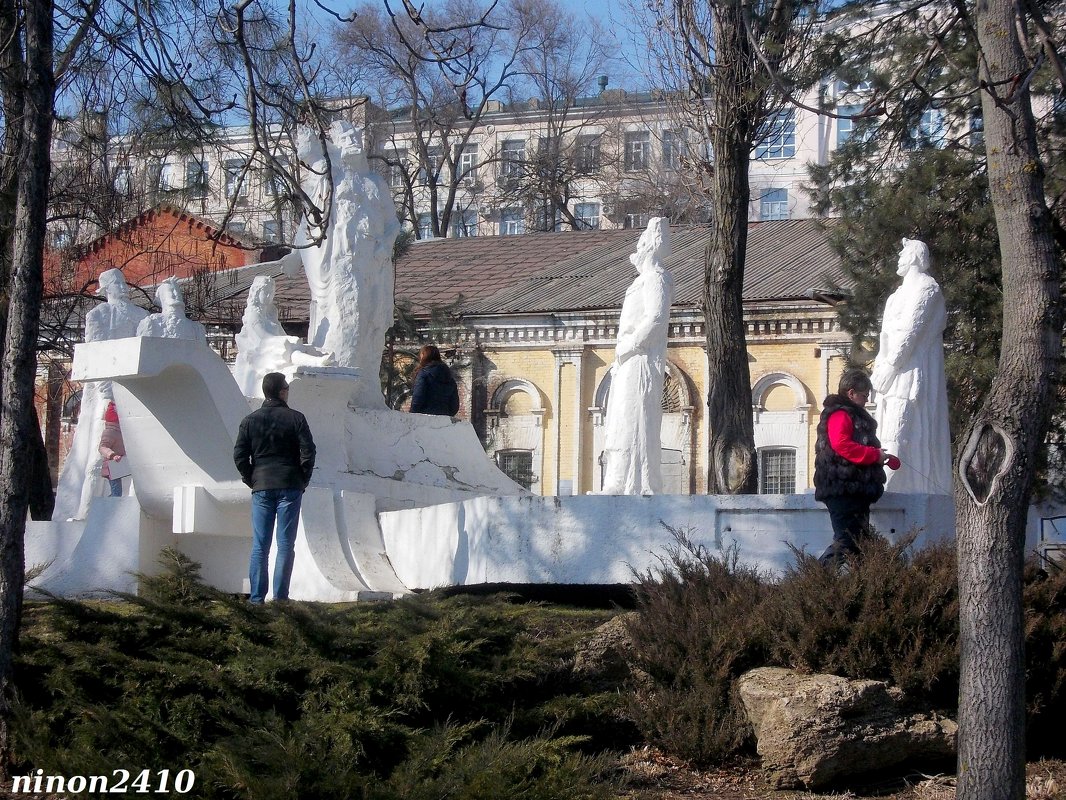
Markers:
435,391
849,464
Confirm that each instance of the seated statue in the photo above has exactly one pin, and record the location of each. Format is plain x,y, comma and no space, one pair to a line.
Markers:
263,346
171,322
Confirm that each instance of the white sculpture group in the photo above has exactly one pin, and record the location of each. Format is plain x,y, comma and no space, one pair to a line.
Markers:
348,263
118,318
403,500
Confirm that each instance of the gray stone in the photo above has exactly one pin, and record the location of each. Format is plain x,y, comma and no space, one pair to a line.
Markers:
817,730
605,656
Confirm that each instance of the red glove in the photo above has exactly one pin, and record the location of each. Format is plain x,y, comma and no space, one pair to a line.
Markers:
893,463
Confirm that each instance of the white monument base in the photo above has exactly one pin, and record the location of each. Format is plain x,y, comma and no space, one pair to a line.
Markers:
397,501
99,555
601,539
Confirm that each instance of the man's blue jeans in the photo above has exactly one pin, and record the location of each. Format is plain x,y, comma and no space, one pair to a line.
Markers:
268,505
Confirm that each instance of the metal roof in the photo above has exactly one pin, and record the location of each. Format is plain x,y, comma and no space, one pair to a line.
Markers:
569,271
785,260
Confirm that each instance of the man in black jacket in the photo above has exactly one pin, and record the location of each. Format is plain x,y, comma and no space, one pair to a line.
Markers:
275,455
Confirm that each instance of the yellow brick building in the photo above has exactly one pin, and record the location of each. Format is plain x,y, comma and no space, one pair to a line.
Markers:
530,331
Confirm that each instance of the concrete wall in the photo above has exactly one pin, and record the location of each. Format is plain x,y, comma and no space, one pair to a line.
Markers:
599,539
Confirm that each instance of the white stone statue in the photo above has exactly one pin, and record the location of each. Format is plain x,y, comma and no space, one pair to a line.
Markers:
350,271
171,322
634,406
116,319
908,377
263,346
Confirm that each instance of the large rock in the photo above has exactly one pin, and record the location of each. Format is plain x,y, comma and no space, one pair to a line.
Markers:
606,655
816,730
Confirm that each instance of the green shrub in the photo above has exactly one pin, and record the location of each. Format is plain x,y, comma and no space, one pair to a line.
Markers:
451,761
308,700
1045,659
891,616
694,634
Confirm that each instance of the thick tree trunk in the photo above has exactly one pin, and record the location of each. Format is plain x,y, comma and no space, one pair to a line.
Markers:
731,457
999,452
17,428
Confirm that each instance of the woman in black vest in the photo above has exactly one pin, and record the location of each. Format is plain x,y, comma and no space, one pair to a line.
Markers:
849,464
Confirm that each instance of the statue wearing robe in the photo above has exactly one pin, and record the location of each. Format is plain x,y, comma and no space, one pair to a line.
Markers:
349,264
634,405
263,346
118,318
908,377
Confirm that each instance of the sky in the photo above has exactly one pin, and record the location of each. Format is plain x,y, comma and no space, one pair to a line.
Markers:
614,15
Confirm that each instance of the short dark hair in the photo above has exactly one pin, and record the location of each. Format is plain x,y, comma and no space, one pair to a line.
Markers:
273,383
854,379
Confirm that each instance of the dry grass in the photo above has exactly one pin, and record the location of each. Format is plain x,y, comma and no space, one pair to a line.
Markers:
653,775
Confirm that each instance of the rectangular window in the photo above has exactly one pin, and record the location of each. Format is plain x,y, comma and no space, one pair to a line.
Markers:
429,172
466,164
675,147
196,178
845,123
236,227
161,176
396,161
517,465
587,215
512,222
272,178
512,160
859,87
773,204
548,218
425,226
465,224
637,149
779,136
929,132
587,153
236,182
271,230
635,220
977,129
777,470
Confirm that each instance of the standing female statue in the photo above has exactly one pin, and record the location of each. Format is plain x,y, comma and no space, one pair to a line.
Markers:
634,406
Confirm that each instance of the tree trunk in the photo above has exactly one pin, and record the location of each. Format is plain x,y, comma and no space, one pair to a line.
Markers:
999,452
731,457
19,358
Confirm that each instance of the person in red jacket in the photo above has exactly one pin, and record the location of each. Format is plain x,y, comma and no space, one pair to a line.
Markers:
112,450
849,474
